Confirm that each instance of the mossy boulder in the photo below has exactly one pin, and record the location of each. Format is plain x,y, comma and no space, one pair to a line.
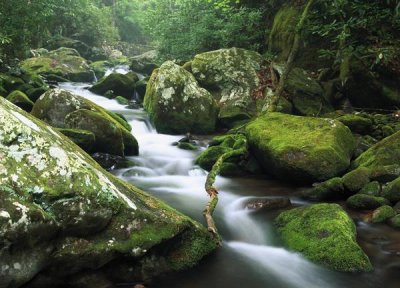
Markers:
122,100
382,214
177,104
21,100
100,68
63,62
55,105
231,77
392,191
144,63
373,189
62,214
395,221
332,189
140,88
208,157
302,149
356,123
119,84
384,153
355,180
366,202
325,234
107,134
83,138
304,92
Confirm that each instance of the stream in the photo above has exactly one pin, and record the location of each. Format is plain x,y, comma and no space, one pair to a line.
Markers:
252,254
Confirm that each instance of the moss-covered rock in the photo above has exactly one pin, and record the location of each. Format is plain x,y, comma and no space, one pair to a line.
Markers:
382,214
356,123
392,191
395,222
356,179
119,84
83,138
21,100
34,93
208,157
177,104
302,149
304,92
385,152
323,233
140,88
107,134
122,100
331,189
231,77
54,106
368,202
61,212
63,62
100,68
373,189
144,63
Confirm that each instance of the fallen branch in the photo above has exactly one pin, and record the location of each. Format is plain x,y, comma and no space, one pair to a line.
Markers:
213,192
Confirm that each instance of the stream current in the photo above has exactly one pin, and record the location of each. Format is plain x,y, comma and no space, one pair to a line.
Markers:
252,254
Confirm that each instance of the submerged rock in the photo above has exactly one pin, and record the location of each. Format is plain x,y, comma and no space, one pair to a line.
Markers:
63,109
231,77
177,104
324,233
63,62
300,149
62,214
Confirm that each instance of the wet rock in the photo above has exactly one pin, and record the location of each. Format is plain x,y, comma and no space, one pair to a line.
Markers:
140,88
177,104
302,149
356,179
382,214
61,214
83,138
304,92
63,109
372,189
395,221
231,77
392,191
100,68
331,189
63,62
262,205
119,84
325,234
144,63
357,124
366,202
111,162
21,100
122,100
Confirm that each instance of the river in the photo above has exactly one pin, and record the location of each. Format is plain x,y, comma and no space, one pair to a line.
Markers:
252,254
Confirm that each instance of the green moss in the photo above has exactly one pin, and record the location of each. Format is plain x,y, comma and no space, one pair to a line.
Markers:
35,93
356,179
83,138
392,191
99,68
119,84
357,124
323,233
187,146
372,189
362,201
382,214
385,174
331,189
21,100
302,149
122,100
395,222
177,104
207,158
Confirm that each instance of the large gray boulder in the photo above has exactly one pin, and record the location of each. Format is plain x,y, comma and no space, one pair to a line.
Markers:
177,104
62,215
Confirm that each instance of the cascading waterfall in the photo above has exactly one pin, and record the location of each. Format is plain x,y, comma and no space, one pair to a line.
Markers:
249,256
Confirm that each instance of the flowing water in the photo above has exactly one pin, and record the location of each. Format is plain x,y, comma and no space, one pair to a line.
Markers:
252,255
